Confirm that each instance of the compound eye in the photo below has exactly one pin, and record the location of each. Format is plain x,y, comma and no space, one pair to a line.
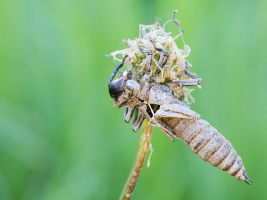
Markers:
115,88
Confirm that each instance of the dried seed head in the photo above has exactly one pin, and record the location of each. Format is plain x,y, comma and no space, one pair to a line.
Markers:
156,54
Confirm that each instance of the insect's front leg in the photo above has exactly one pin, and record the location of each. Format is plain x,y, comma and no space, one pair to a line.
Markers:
189,74
149,59
138,120
163,59
128,113
194,81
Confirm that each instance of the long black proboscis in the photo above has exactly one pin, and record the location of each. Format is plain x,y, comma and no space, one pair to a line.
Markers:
116,70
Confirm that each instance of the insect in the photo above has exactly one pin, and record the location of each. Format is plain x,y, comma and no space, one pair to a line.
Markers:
156,102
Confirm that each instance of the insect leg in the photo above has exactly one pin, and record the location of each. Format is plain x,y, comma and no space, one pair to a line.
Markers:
138,120
149,57
195,80
163,59
190,82
116,70
190,74
128,113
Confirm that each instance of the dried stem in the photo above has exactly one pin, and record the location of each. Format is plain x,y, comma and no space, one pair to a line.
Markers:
139,161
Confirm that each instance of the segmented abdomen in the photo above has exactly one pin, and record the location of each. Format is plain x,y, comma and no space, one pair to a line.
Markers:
210,145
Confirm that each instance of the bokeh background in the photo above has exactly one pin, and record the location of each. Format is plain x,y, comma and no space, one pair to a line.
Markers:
60,138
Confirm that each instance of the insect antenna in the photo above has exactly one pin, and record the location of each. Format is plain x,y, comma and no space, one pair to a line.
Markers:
116,70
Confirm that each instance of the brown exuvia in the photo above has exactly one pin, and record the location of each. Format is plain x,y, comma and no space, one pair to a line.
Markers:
156,103
210,145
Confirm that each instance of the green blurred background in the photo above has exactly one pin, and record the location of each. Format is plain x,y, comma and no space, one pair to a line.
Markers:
59,138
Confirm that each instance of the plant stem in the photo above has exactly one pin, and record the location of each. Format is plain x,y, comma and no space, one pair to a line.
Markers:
139,161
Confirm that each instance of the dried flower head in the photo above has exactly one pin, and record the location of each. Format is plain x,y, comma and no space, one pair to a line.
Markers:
156,58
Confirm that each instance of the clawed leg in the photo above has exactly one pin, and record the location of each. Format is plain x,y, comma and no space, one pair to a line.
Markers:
195,80
138,120
149,58
163,59
128,113
190,74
